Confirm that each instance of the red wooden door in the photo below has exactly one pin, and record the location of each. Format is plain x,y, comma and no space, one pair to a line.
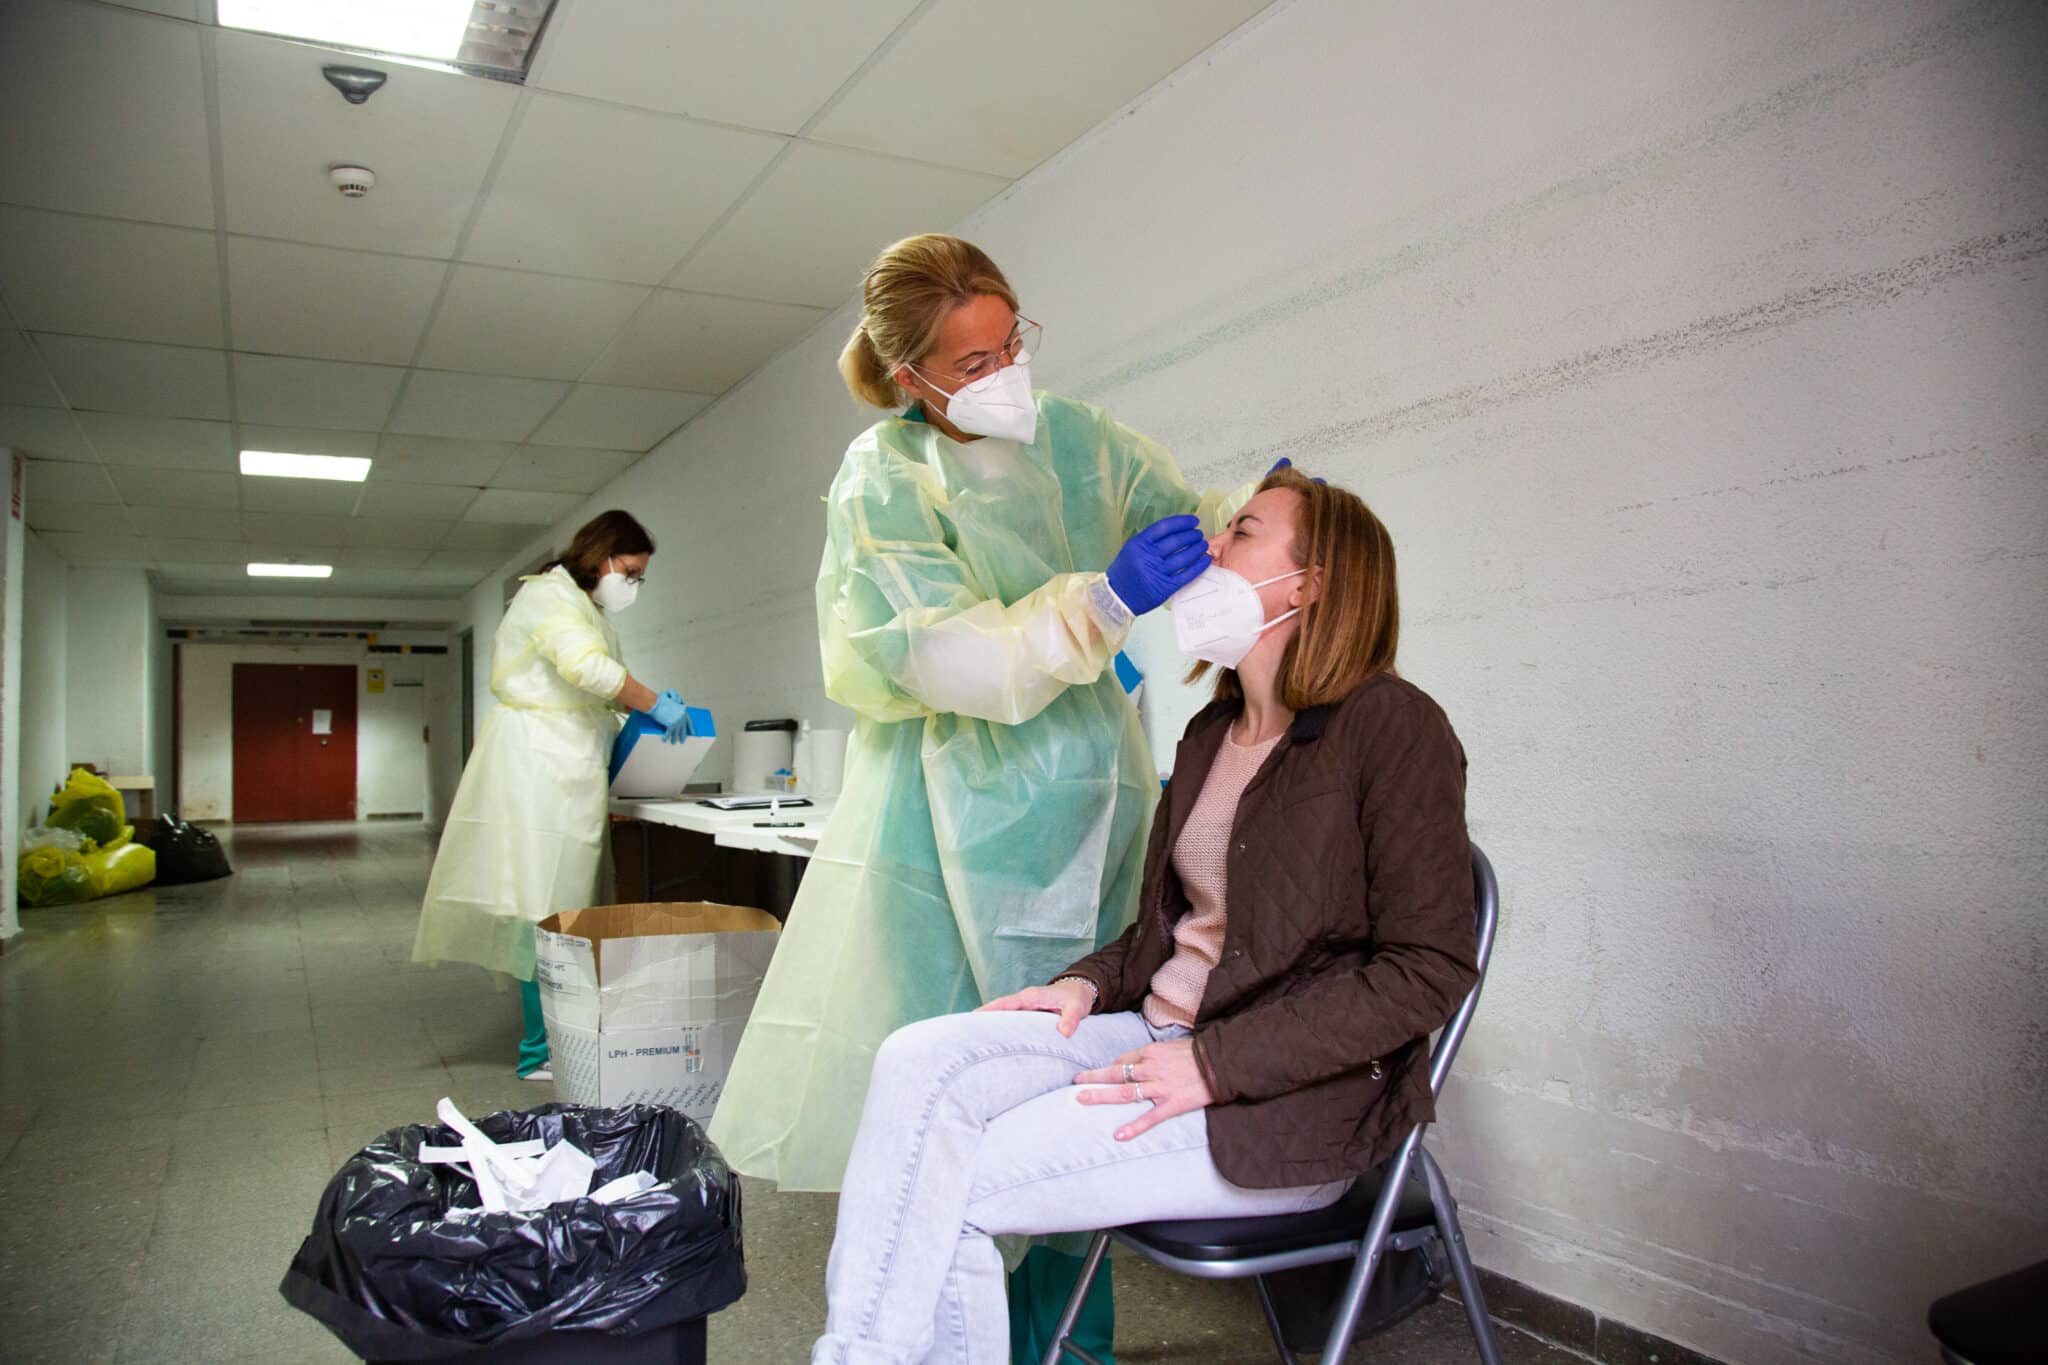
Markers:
295,742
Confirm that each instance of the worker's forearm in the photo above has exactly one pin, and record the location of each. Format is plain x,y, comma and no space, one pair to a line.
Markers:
635,695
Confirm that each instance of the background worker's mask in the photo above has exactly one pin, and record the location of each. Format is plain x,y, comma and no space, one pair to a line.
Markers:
1219,616
998,404
614,592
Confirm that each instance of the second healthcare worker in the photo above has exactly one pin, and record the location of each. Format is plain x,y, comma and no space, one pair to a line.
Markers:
987,551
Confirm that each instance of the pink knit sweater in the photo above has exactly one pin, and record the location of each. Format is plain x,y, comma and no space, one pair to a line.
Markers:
1201,857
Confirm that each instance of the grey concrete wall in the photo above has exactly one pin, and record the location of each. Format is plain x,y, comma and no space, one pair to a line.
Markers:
1694,354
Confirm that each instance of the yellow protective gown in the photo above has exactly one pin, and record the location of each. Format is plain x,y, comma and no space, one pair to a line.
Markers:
998,786
526,835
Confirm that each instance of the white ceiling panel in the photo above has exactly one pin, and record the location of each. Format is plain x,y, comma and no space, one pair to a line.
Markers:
186,523
98,549
610,418
702,343
507,507
22,377
295,529
309,497
559,469
228,549
473,406
484,537
99,278
289,299
47,514
811,230
142,487
376,557
117,107
537,326
762,63
922,101
282,391
69,481
437,460
609,193
473,562
176,9
429,136
46,433
309,441
413,500
395,534
166,442
132,377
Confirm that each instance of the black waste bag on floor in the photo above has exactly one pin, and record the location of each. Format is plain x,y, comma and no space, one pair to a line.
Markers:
390,1271
185,853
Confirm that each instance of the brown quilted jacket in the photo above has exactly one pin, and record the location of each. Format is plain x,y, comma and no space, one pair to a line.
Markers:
1349,936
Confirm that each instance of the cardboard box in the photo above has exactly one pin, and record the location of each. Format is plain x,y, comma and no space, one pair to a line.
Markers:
645,1004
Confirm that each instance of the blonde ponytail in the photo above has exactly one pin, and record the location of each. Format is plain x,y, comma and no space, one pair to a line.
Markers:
907,294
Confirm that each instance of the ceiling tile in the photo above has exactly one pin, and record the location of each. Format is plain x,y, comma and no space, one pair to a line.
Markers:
315,497
289,299
48,514
131,377
69,481
142,487
618,419
378,557
22,377
474,406
97,550
94,277
483,536
285,392
1006,127
397,535
437,460
537,326
562,469
413,500
429,136
116,105
46,433
702,343
611,193
506,507
813,227
186,523
310,441
176,9
287,529
713,58
166,442
477,562
225,550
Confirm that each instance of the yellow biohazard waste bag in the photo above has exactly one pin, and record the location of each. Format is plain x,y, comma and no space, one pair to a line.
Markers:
125,866
53,876
91,805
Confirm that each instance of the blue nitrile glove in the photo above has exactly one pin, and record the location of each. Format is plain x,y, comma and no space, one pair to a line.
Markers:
670,714
1158,562
1284,463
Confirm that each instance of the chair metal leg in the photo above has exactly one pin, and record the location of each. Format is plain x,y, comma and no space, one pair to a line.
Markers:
1287,1356
1371,1249
1061,1348
1453,1234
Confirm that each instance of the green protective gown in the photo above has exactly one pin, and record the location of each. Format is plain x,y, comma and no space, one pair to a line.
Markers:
998,785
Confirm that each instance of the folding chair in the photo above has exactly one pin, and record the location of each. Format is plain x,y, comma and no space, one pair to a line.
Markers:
1384,1209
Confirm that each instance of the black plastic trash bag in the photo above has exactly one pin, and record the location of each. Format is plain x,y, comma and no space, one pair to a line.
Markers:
186,853
390,1271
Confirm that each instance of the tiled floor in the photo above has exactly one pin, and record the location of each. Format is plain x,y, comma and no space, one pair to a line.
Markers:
181,1070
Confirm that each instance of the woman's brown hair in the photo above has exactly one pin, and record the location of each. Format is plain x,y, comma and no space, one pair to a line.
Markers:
605,536
1350,628
907,293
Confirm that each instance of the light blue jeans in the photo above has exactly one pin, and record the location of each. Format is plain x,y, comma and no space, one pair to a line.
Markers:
972,1130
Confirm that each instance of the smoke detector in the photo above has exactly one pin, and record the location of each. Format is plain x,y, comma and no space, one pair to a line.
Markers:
353,181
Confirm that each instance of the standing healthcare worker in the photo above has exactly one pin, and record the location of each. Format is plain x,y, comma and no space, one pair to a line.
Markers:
987,551
526,835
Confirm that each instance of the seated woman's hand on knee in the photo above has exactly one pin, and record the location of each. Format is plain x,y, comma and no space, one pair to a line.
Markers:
1072,1000
1165,1075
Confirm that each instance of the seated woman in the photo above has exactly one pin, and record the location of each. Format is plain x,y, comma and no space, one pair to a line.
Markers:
1256,1040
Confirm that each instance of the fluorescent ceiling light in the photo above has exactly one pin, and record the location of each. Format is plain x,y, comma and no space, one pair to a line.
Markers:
291,570
277,464
489,37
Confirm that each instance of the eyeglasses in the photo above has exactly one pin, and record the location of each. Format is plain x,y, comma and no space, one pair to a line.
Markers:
1018,350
